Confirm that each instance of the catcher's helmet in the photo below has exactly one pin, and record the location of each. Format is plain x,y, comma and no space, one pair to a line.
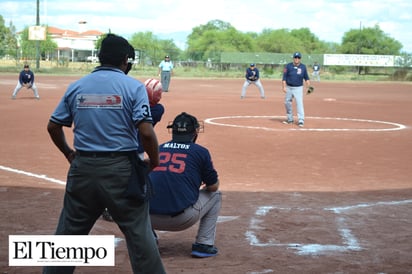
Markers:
184,128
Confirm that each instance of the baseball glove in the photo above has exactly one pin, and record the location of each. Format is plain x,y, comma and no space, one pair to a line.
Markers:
310,90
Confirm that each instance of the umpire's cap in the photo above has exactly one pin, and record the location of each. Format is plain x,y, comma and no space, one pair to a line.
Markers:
114,49
184,128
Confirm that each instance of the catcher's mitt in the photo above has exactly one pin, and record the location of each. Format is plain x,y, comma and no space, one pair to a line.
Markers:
310,90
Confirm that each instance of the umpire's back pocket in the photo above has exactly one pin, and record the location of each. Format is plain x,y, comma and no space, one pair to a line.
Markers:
139,186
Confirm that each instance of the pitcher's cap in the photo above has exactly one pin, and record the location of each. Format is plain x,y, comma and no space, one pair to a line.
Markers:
297,55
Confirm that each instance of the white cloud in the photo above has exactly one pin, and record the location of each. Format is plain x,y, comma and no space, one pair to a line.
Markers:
328,20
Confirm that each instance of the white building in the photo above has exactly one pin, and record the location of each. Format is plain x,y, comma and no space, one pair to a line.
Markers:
75,46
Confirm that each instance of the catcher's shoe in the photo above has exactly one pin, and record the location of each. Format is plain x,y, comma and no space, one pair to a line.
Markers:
288,122
300,124
203,251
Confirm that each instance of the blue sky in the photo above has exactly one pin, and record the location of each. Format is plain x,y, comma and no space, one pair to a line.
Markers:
327,19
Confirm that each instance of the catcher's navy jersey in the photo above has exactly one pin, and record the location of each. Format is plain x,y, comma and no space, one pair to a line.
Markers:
294,75
176,181
104,107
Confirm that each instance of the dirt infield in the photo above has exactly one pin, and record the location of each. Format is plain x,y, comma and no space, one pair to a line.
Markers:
333,197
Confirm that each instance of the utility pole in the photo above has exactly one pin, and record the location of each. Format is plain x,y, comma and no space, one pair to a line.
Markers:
37,41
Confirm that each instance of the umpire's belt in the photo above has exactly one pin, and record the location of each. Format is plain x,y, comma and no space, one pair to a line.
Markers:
104,154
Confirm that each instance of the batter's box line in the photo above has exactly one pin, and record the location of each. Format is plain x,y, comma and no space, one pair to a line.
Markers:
349,241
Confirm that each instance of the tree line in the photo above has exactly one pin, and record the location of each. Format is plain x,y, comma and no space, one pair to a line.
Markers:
208,41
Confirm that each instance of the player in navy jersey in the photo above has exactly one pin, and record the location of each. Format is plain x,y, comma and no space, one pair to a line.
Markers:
295,74
185,186
252,76
26,79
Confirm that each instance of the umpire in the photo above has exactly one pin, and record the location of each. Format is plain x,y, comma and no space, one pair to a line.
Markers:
107,108
165,72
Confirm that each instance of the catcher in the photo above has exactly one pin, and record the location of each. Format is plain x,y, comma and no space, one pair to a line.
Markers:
186,187
26,79
252,77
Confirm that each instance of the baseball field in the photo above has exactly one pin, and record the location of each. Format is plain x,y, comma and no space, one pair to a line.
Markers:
332,197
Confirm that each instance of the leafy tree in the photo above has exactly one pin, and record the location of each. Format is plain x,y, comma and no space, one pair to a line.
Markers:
147,44
308,41
168,47
152,48
287,41
28,47
207,41
369,41
8,41
278,41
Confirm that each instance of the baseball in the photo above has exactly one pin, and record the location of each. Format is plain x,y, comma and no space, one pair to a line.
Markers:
154,90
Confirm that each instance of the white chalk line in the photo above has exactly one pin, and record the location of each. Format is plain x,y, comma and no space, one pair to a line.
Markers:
44,177
393,126
349,241
221,219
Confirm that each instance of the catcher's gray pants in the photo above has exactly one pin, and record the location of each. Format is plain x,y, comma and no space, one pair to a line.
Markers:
297,93
165,80
206,209
96,183
256,83
19,87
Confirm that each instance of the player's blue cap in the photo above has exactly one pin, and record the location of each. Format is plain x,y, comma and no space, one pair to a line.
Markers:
297,55
252,65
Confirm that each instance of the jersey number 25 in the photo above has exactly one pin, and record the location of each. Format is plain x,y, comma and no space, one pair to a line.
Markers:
174,162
